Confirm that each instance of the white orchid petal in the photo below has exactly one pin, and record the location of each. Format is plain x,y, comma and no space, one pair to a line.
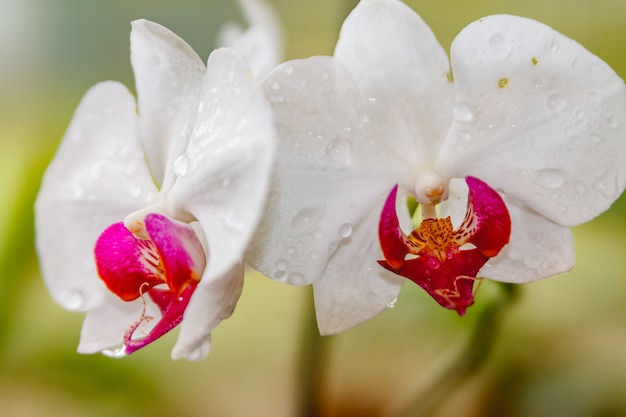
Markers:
402,70
543,120
354,287
223,177
330,172
261,44
168,78
98,175
539,248
104,326
213,301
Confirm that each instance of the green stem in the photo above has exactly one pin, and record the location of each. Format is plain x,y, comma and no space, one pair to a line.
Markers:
453,369
311,362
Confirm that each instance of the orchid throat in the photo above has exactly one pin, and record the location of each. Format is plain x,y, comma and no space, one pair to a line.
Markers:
442,260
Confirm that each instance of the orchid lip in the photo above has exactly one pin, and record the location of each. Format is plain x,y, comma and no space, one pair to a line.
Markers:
166,268
445,261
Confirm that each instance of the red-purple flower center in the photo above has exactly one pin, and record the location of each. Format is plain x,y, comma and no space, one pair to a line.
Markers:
167,267
445,262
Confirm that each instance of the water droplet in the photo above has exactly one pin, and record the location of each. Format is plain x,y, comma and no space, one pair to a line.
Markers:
135,190
170,111
281,265
615,122
291,250
274,85
115,352
462,113
550,178
338,150
71,299
318,234
555,101
288,69
296,278
364,118
372,100
580,188
279,274
464,135
314,255
595,138
181,165
392,303
345,230
333,247
496,40
605,184
433,263
307,219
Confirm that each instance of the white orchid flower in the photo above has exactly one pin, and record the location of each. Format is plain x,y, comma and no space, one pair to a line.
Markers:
146,210
261,44
524,120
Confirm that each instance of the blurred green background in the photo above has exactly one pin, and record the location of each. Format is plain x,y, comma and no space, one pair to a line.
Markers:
561,349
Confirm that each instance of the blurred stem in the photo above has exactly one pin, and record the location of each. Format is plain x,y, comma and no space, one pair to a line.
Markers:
18,252
453,369
311,361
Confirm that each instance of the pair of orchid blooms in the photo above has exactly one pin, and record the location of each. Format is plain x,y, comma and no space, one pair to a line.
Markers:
149,210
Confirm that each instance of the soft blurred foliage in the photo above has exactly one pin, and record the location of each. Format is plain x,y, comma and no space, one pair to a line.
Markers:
561,346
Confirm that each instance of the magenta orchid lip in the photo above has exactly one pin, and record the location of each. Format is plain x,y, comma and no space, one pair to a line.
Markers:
441,263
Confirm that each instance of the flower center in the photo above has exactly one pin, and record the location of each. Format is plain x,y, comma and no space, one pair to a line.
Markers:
166,265
442,266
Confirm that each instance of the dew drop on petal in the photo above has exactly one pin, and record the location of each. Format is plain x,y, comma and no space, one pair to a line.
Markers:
71,299
550,178
274,85
595,138
306,219
338,150
281,264
296,278
345,230
181,165
555,101
462,113
314,255
464,135
135,190
433,263
392,303
580,188
496,40
115,352
279,274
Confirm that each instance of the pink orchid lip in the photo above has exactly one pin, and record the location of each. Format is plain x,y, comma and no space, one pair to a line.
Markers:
441,266
131,267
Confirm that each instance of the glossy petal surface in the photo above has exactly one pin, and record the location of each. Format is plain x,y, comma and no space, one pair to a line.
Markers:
543,120
402,72
223,177
329,174
98,175
168,77
214,300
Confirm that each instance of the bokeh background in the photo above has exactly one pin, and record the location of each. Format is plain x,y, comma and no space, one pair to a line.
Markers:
558,349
